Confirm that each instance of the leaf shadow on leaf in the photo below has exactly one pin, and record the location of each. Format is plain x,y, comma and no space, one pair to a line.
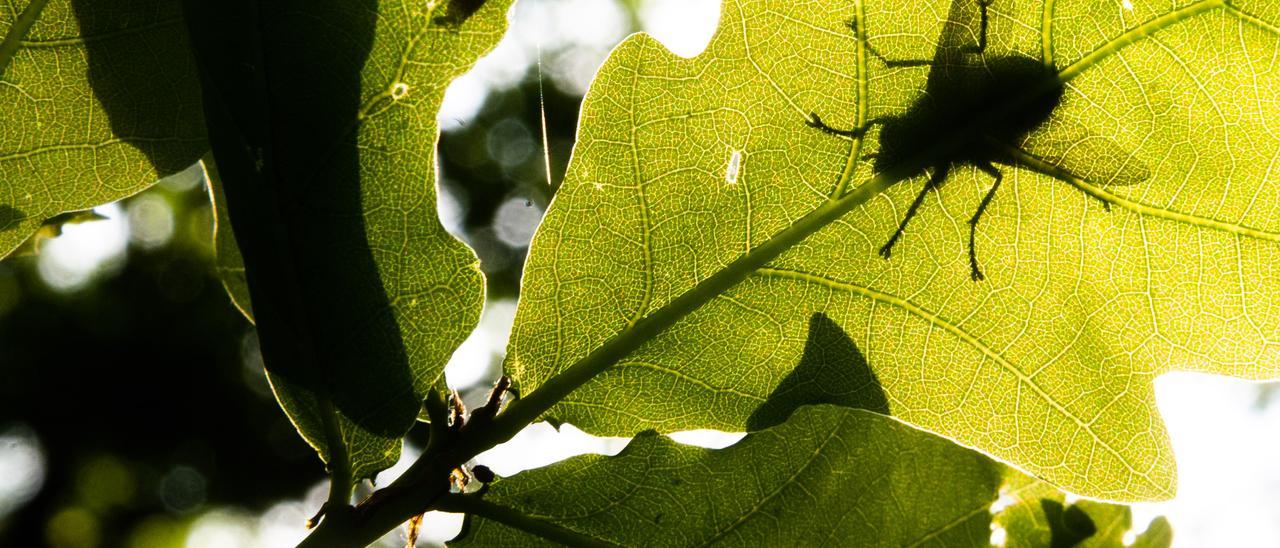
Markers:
139,67
1068,526
832,370
457,12
9,217
284,101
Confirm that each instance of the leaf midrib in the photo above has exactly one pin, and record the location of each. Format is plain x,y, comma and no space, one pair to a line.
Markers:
958,332
793,479
1096,190
21,26
1137,33
88,39
646,328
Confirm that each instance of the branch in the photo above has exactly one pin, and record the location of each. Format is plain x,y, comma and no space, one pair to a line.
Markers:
340,481
426,481
525,410
474,505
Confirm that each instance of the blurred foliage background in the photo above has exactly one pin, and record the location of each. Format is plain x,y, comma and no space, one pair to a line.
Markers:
133,408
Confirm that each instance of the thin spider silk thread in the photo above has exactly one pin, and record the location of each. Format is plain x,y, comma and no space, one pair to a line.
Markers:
542,107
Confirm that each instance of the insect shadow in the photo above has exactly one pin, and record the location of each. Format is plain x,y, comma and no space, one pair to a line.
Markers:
974,107
1068,525
9,218
832,370
297,198
457,12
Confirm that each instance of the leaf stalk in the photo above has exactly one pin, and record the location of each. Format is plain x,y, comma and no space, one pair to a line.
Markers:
425,483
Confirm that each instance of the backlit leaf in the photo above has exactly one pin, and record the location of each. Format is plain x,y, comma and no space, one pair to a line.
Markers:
325,144
1048,363
830,476
98,100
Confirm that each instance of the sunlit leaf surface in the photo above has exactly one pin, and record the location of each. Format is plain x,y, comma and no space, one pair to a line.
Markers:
683,166
388,293
98,100
1031,513
830,476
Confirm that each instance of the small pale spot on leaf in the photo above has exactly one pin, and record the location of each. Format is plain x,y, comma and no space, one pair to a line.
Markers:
735,165
399,90
1006,500
998,535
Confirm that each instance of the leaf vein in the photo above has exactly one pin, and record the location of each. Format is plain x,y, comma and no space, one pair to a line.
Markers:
938,321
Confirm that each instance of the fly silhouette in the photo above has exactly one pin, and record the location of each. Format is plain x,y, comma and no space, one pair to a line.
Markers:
973,108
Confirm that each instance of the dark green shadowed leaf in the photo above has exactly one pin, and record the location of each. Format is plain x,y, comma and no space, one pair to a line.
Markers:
52,228
1068,525
829,476
831,370
322,116
704,222
226,253
1113,521
99,99
1033,514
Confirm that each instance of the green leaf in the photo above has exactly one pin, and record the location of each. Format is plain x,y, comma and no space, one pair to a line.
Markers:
1033,514
702,225
1159,534
226,253
325,141
100,100
828,476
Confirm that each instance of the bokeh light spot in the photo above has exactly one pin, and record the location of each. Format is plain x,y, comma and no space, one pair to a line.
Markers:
157,531
182,489
516,220
72,528
221,528
22,467
684,26
187,179
509,143
85,250
150,221
104,482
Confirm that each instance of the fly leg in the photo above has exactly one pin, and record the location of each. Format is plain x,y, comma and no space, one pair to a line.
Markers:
939,174
1106,206
983,20
866,42
815,121
991,170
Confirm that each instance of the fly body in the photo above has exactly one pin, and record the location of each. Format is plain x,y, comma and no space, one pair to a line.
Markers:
973,107
959,120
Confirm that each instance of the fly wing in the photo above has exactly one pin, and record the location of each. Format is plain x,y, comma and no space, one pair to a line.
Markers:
952,70
1091,157
960,35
